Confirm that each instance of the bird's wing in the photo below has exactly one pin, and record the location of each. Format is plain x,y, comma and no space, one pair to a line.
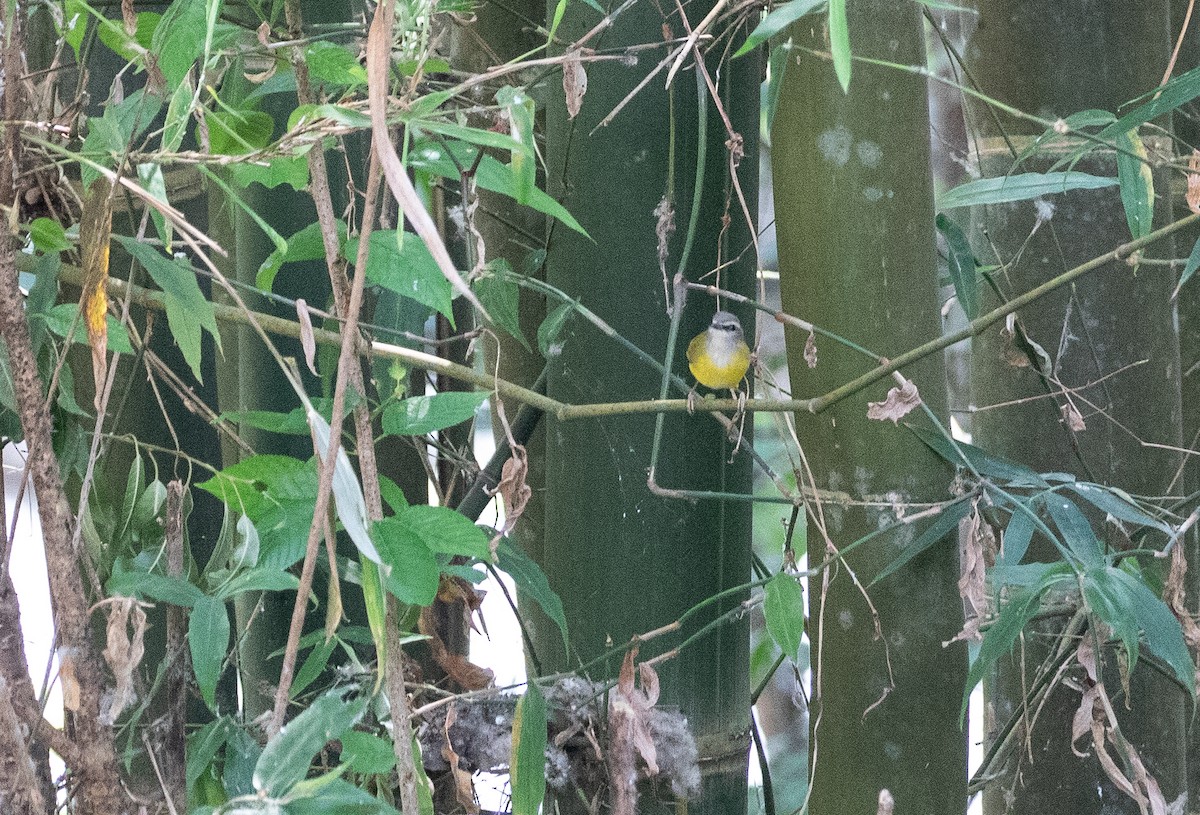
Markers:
695,347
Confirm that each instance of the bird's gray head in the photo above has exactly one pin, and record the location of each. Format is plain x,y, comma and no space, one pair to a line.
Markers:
725,323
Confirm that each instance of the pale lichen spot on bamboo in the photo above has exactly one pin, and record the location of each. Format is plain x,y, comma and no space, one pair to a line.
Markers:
835,144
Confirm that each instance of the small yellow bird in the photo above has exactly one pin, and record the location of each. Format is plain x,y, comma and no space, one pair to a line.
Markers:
719,357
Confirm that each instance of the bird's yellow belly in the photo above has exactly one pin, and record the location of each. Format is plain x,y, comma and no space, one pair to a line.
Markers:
719,374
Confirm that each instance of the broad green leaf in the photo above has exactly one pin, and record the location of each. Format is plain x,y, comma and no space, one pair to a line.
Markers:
412,570
1017,537
551,327
490,174
501,297
284,761
150,177
347,493
400,262
112,135
129,48
204,744
174,590
312,666
241,754
1179,91
1137,183
334,64
1020,187
1108,599
187,309
779,19
532,583
179,113
984,463
179,39
419,415
291,423
277,494
236,132
783,608
307,244
1118,504
522,160
290,170
48,236
1000,637
367,753
1162,630
936,533
1193,263
74,27
259,579
1077,533
208,641
444,531
960,261
60,318
529,753
839,42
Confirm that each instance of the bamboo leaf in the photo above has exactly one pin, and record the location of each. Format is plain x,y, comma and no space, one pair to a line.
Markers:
783,608
1193,263
1020,187
208,640
839,42
937,531
529,753
782,16
1077,533
961,263
1137,183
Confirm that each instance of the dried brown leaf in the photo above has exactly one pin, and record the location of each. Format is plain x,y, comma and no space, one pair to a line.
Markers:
123,652
899,403
810,350
95,231
976,541
574,77
460,669
129,17
308,340
514,491
1072,418
264,34
464,790
67,679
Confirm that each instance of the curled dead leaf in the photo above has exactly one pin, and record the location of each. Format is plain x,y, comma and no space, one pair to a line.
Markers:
123,652
308,340
899,403
1072,418
464,789
977,544
460,669
68,680
514,491
574,77
629,732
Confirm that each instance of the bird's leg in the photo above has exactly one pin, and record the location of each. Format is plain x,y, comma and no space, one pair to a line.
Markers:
691,400
738,420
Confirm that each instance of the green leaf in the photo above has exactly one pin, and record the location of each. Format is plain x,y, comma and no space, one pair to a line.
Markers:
445,531
290,170
1017,537
285,760
412,570
774,23
237,132
551,327
276,493
1118,504
532,583
292,423
178,39
241,754
339,797
307,244
936,533
208,641
1000,637
187,309
60,318
174,590
1137,183
204,744
529,753
1108,599
490,174
1163,632
259,579
367,753
522,160
116,131
1020,188
313,665
1179,91
961,263
334,64
48,236
502,299
179,113
347,493
74,27
783,608
1193,263
419,415
983,463
839,42
1076,531
400,262
130,48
